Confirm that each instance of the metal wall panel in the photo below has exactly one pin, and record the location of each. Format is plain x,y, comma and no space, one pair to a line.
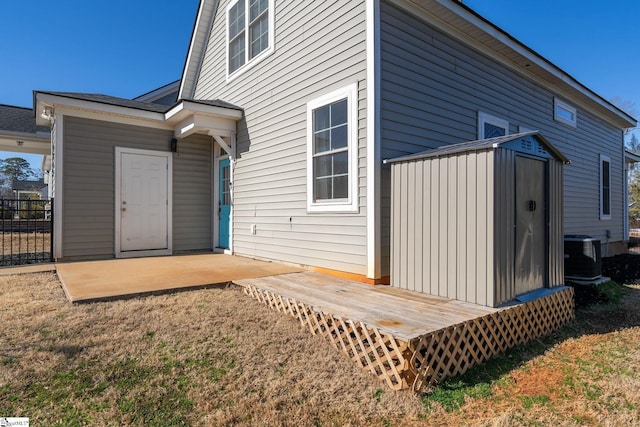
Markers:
504,220
442,239
453,226
556,229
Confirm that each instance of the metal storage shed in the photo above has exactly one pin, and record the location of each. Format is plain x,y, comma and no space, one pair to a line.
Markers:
479,221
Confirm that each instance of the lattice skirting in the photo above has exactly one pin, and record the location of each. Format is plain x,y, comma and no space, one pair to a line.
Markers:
425,360
453,350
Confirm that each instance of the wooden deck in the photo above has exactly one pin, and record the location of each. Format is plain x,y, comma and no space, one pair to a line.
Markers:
408,339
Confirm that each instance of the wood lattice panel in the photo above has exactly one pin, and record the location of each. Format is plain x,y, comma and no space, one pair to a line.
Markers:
382,354
452,351
427,359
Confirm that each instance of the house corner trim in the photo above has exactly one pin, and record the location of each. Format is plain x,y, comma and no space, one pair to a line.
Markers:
374,257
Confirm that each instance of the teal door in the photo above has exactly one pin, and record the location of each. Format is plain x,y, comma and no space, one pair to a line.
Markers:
224,206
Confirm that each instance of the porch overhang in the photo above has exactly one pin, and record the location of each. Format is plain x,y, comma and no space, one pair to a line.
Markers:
631,157
23,142
189,117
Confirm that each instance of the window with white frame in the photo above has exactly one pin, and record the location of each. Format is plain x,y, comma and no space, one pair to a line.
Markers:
605,187
491,127
332,158
249,33
564,113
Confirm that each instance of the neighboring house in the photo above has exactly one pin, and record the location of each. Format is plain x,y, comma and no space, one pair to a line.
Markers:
285,113
30,190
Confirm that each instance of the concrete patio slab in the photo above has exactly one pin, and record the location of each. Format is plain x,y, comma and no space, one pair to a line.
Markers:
27,269
110,279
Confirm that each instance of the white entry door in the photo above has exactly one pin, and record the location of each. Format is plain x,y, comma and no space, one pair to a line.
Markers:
142,202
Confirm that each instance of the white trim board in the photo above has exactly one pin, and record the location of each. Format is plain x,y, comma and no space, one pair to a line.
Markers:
374,156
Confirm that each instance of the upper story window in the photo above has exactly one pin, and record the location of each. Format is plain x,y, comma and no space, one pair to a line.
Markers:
605,187
564,113
332,155
249,33
491,127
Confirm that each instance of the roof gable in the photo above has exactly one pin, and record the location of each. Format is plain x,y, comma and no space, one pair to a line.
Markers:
197,47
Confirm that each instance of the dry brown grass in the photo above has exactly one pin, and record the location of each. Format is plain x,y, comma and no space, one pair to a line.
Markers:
216,357
25,242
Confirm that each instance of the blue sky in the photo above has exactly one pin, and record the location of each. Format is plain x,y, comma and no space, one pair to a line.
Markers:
596,42
126,48
119,47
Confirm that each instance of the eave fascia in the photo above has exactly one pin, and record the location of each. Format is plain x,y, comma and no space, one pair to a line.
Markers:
191,117
96,110
631,157
185,109
521,59
25,142
197,47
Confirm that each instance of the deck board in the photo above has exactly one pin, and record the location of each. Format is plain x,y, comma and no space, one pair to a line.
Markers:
405,314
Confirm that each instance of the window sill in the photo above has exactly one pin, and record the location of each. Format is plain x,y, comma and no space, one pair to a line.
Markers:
333,207
249,65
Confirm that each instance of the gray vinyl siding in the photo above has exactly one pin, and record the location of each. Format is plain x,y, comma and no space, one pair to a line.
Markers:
319,47
89,186
192,196
432,88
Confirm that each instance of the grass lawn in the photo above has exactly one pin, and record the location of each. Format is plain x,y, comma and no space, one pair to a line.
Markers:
216,357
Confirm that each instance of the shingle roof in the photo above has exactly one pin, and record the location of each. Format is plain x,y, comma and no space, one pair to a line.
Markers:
19,119
27,185
111,100
138,105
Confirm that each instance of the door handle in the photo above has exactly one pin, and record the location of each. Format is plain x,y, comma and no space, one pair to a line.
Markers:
532,205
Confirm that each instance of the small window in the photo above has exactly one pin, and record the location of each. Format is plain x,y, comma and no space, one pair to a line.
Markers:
605,187
564,113
332,152
249,33
491,127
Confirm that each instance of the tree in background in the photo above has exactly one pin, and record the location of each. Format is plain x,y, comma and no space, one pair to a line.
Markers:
18,168
15,168
633,145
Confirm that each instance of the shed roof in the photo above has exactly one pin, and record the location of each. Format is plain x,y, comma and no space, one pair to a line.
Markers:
481,145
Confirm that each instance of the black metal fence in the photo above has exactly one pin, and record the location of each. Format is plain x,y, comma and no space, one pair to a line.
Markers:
27,231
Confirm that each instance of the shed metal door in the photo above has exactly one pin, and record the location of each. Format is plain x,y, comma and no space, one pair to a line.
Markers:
531,264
